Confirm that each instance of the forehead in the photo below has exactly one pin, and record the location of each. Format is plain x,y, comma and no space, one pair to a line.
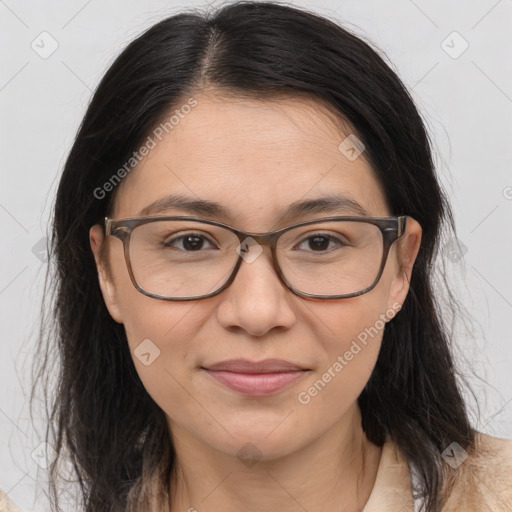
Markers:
254,157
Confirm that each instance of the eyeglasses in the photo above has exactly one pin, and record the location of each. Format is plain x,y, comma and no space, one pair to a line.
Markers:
186,258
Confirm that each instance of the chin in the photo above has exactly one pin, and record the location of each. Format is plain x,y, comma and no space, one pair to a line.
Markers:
248,442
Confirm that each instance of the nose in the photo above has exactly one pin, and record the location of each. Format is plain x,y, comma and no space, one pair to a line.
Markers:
257,301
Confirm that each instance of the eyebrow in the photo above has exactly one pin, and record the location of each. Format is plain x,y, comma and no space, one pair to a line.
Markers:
326,204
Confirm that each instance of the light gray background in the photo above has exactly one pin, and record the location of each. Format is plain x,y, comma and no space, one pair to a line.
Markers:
466,102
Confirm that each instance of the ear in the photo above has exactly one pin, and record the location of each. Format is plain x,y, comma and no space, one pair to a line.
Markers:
108,288
407,248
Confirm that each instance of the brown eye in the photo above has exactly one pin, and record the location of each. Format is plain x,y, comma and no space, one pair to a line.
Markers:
190,242
319,242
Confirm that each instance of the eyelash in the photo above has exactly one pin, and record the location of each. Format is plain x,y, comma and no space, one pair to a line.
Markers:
330,238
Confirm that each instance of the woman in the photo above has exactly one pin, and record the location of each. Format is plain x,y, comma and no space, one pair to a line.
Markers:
244,234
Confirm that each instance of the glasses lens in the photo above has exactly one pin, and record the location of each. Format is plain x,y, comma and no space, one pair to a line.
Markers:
179,259
331,258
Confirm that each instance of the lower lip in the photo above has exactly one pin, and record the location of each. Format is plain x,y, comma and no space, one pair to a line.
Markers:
256,384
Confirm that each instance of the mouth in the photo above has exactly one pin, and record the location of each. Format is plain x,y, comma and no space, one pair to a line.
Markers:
261,378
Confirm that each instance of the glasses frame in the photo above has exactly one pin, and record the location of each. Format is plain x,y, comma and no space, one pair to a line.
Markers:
391,228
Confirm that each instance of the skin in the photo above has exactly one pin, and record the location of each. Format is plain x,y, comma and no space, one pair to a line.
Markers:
255,158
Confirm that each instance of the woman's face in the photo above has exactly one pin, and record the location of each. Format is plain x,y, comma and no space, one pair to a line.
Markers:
255,159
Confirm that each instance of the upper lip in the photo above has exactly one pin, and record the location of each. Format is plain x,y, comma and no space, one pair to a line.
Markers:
246,366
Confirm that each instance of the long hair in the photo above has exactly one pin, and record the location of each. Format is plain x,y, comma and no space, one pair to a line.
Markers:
103,422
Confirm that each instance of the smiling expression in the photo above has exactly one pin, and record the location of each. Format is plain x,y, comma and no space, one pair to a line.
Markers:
253,159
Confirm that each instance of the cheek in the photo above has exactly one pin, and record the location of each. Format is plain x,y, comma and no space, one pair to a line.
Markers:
161,338
350,334
340,323
331,392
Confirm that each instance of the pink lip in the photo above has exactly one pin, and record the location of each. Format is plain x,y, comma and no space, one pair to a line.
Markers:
255,378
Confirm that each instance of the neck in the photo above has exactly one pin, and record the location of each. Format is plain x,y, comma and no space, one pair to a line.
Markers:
334,473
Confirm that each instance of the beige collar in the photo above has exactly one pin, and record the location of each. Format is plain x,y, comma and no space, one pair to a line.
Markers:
393,489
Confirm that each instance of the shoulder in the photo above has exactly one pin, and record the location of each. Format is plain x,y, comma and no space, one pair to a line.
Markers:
483,478
6,505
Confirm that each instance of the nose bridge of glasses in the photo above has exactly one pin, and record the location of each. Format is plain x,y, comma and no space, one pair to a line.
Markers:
264,239
248,239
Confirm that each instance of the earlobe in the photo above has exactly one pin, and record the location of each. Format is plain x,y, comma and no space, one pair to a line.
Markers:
107,286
